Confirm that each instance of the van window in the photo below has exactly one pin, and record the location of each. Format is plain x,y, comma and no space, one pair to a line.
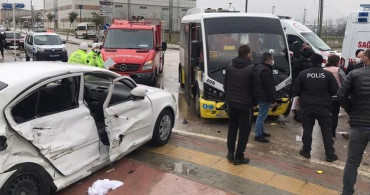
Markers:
91,27
315,41
129,39
81,27
292,39
30,40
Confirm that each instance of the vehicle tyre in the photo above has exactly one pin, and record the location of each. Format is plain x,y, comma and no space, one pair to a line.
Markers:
34,58
162,64
85,36
27,57
197,102
155,79
182,85
28,180
76,35
163,128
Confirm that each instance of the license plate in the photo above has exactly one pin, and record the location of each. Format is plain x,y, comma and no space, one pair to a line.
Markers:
54,55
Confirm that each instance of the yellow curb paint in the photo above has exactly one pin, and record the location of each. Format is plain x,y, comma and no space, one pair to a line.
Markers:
248,172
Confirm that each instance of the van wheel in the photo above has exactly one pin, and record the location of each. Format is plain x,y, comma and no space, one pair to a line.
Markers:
27,181
85,36
162,64
34,58
197,102
163,128
76,35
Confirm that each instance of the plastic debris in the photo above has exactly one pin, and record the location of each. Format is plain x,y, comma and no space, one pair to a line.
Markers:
319,171
298,138
273,124
101,187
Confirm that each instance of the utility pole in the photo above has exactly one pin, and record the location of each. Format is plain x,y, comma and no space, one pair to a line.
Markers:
304,16
31,14
273,9
246,6
129,9
170,20
321,14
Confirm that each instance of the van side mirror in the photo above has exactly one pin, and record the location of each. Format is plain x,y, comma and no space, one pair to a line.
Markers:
195,49
164,46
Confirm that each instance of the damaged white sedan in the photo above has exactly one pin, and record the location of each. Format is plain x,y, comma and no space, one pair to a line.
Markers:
59,123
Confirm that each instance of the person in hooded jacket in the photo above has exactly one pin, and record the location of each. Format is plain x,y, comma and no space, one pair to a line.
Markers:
315,88
238,86
265,93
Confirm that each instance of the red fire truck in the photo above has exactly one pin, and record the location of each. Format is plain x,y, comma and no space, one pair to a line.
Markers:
137,49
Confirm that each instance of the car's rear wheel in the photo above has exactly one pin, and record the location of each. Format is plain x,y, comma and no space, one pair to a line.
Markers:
27,181
163,128
182,85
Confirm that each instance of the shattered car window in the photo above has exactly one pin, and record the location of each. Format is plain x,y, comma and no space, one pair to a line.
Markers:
3,85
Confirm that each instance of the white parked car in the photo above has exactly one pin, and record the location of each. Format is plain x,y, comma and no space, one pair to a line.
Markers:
59,123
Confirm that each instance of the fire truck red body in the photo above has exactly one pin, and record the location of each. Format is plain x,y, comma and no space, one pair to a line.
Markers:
137,49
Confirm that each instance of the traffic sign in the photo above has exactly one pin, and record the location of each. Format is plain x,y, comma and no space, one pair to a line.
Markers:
19,5
106,26
7,6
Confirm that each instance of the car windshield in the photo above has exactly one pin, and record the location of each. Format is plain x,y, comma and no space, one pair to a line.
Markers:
225,35
3,85
315,41
129,39
11,35
48,40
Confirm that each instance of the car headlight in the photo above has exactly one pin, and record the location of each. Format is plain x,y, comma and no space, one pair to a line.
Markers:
148,65
39,49
213,94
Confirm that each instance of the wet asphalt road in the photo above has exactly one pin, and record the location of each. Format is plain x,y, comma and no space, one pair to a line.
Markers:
279,156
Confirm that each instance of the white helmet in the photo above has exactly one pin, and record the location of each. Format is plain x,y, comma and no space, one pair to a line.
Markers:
95,45
84,46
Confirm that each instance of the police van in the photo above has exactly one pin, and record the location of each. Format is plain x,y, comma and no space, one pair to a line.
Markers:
357,35
296,31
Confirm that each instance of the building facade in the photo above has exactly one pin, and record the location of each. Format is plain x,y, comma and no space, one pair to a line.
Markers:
122,9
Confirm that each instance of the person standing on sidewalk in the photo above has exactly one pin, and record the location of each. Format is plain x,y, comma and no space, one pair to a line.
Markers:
238,88
265,93
315,88
353,95
333,67
2,43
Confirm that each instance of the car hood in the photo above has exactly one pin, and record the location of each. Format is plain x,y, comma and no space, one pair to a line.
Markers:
128,56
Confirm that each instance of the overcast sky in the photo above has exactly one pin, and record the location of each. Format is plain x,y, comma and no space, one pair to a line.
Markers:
295,8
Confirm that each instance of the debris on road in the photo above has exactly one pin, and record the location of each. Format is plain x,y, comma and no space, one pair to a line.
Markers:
319,171
298,138
101,187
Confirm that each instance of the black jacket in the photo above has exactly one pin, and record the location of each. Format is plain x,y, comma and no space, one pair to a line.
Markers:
299,65
264,87
315,87
353,66
2,40
238,84
353,96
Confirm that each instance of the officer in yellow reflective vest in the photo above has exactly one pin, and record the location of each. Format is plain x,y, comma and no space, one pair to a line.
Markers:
94,58
79,56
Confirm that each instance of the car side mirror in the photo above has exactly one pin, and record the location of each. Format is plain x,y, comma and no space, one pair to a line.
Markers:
64,42
138,92
164,46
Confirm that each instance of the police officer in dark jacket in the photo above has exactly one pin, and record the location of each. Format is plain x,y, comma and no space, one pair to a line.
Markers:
315,88
2,43
238,88
354,98
265,93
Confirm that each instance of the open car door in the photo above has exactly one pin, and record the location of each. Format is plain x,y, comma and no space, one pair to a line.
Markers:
128,118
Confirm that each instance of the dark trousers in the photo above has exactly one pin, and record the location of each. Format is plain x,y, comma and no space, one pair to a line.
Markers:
334,116
358,139
238,120
2,50
323,115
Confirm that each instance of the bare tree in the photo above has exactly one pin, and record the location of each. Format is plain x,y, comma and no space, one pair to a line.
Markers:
50,18
97,20
72,16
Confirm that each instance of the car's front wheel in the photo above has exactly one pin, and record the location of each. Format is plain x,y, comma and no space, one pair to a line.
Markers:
27,181
163,128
